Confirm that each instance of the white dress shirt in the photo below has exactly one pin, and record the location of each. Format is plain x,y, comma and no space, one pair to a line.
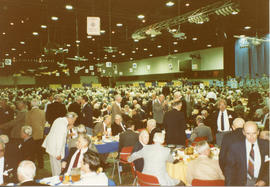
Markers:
121,124
2,162
73,159
257,157
226,121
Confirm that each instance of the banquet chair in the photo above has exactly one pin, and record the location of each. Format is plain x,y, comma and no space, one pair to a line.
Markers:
147,180
199,182
123,156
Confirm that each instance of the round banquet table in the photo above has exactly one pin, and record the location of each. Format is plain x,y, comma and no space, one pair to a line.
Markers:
108,147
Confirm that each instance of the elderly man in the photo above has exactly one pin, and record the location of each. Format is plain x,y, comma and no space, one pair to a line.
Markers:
86,114
76,107
203,167
159,108
103,127
56,109
16,124
143,141
152,129
55,141
128,137
175,125
155,157
201,130
26,173
27,144
246,158
118,126
221,121
76,155
36,119
229,139
116,106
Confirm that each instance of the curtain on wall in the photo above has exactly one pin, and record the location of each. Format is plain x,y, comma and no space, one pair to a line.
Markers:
251,60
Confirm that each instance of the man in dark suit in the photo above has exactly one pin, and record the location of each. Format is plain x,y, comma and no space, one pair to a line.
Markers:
56,109
221,121
76,107
118,126
246,159
152,129
229,139
27,144
74,158
26,172
6,113
143,140
175,125
87,114
129,137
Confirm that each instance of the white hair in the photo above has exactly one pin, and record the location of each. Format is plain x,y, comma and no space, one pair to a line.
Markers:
117,116
159,138
152,123
71,115
202,146
4,138
81,128
35,103
27,130
27,170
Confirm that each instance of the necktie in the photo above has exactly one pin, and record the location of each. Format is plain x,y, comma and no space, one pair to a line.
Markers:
222,121
251,163
76,159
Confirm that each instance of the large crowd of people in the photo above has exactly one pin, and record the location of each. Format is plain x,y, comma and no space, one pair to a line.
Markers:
234,118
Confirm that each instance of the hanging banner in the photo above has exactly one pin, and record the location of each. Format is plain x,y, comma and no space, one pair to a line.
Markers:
94,85
76,86
177,83
93,25
148,84
162,84
136,84
55,86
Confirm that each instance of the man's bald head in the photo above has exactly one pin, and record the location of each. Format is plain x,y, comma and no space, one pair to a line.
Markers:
251,131
238,123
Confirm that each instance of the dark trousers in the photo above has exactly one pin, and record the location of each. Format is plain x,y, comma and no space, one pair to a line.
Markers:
39,153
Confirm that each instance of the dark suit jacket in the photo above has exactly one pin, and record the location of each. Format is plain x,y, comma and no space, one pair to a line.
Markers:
87,116
54,111
116,129
139,162
68,158
127,138
235,170
75,107
13,154
227,141
175,126
27,149
214,118
152,133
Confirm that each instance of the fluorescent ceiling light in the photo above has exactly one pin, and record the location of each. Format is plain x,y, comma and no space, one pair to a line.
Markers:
35,33
170,3
159,46
140,16
247,27
119,24
194,39
22,42
54,18
69,7
43,26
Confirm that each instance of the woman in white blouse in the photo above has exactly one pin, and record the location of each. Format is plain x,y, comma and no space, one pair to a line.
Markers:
91,172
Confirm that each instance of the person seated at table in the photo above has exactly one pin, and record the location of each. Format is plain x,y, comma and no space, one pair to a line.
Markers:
76,155
143,141
129,137
72,143
201,130
152,129
155,157
102,127
118,126
27,144
203,167
26,172
91,171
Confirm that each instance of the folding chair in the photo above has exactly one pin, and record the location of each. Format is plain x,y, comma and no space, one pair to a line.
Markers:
147,180
199,182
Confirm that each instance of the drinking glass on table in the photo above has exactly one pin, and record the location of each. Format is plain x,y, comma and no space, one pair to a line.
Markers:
75,174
